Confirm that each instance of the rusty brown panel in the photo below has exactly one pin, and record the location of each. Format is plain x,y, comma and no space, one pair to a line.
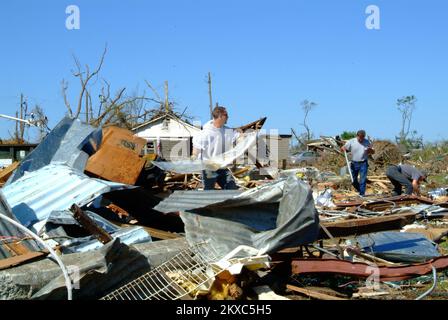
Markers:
363,270
367,225
16,260
17,248
118,157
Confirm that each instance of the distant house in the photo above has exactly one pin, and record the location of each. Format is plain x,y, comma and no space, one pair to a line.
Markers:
14,152
278,147
168,136
171,137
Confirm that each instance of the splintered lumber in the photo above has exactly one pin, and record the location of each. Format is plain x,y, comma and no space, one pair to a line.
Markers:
367,225
382,185
90,225
154,233
7,172
313,294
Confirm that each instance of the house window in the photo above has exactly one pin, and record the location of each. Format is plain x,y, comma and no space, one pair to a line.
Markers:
150,147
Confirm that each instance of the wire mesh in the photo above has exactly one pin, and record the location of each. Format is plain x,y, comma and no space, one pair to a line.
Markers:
178,277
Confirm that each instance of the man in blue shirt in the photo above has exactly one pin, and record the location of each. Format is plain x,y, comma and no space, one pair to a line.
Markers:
360,149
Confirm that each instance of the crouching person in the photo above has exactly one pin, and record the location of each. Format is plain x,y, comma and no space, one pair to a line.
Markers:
406,176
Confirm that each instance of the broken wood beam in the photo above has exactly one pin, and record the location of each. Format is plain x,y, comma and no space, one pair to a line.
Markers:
8,171
16,260
367,225
89,224
153,232
312,294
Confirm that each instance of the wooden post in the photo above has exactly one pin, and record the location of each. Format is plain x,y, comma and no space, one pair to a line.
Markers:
166,97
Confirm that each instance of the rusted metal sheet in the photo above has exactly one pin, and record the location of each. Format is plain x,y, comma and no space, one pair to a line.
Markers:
367,225
118,157
364,270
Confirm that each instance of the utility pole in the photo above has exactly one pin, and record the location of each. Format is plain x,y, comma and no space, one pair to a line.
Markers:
166,97
210,94
21,133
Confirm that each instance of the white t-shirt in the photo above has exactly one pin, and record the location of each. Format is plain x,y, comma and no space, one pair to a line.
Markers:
210,140
358,150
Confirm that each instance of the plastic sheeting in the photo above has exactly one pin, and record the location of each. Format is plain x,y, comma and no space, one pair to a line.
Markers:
269,218
196,166
399,246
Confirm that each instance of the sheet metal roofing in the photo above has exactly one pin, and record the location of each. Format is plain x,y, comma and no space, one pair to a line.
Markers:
54,187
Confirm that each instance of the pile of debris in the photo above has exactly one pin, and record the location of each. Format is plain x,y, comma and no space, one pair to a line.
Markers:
126,226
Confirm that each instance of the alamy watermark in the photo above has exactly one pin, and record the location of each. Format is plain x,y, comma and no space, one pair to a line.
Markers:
73,21
373,19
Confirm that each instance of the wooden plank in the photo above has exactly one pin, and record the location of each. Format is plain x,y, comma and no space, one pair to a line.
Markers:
90,225
7,172
155,233
312,294
382,185
17,248
367,225
16,260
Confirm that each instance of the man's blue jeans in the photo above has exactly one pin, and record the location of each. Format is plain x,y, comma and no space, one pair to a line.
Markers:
223,177
361,169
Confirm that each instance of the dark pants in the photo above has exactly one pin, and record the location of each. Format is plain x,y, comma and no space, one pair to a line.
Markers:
361,169
223,177
398,180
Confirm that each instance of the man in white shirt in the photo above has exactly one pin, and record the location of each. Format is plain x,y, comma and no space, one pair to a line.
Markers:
360,149
213,141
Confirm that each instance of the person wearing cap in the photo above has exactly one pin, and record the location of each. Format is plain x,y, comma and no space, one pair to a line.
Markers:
407,176
360,149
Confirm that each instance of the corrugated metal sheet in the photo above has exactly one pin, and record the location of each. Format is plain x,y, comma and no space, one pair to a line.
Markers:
193,199
269,218
70,142
54,187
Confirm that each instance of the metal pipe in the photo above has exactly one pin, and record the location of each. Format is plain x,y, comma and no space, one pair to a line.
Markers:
348,166
68,282
434,274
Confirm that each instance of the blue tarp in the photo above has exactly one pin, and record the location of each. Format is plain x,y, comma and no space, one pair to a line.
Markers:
399,246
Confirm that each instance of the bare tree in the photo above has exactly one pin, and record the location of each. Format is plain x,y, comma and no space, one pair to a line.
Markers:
406,105
117,109
41,120
307,106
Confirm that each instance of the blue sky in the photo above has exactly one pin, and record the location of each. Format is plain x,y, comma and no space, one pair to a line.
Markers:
265,57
